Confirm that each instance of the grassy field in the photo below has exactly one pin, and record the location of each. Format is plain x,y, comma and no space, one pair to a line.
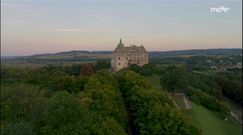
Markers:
155,80
179,100
210,123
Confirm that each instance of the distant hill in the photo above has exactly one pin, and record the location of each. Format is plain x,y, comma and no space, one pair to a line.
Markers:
90,56
196,52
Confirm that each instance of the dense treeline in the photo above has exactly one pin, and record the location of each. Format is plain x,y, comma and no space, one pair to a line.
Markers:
84,99
96,110
102,97
177,79
207,101
205,83
51,100
231,87
152,111
50,78
205,89
147,69
53,77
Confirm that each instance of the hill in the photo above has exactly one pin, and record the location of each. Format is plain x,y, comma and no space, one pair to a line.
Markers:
91,56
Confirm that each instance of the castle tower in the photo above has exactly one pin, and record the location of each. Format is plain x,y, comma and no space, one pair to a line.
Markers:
120,43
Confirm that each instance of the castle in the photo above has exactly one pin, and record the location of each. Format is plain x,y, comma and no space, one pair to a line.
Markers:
124,56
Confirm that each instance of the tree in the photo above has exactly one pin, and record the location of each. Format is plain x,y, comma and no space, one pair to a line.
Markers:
152,111
174,78
64,115
230,88
21,102
135,68
20,128
103,97
102,64
87,69
207,101
22,108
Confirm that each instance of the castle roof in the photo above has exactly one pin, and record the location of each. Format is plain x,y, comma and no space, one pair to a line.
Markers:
129,49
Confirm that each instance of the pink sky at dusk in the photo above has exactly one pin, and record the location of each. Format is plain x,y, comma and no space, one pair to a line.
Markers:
33,27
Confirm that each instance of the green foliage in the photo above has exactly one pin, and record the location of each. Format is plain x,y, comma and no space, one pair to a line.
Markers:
74,69
62,108
53,78
14,75
87,69
21,102
210,123
111,127
176,123
21,128
64,115
102,64
230,88
102,96
98,110
152,111
174,78
205,83
146,70
57,100
22,108
207,101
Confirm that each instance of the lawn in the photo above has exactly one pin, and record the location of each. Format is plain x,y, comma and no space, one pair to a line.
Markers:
155,81
179,100
210,123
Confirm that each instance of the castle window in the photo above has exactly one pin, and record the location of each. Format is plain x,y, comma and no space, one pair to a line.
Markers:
119,58
119,64
127,58
137,62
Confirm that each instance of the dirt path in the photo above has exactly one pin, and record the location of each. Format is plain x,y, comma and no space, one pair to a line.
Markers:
187,103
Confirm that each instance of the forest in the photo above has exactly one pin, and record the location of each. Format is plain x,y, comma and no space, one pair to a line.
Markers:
89,98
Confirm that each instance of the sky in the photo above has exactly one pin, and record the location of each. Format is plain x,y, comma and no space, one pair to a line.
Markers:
48,26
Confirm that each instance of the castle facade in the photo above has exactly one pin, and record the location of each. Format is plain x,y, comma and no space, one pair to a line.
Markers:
124,56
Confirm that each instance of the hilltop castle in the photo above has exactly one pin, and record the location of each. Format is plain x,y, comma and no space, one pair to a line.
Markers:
124,56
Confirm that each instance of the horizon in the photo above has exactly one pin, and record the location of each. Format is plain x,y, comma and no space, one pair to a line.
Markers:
31,27
113,50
